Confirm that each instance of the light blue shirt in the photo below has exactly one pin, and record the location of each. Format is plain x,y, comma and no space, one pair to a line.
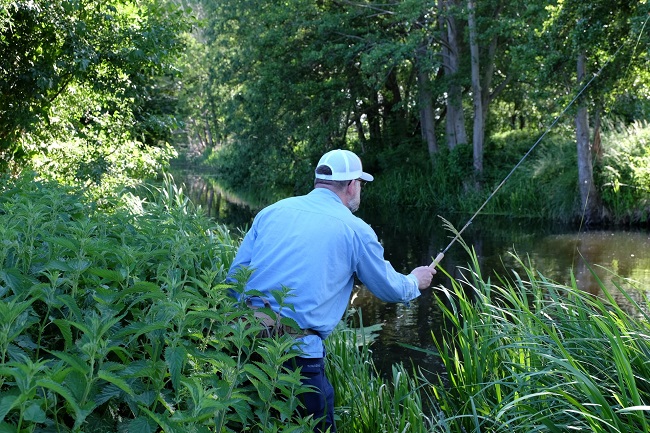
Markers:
314,245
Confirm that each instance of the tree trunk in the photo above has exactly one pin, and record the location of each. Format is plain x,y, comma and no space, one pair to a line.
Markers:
374,121
455,120
427,117
596,147
477,93
589,198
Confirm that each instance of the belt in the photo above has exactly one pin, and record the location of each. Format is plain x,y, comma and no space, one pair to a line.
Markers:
273,326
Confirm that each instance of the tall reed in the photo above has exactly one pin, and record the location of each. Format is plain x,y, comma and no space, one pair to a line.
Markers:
366,402
528,355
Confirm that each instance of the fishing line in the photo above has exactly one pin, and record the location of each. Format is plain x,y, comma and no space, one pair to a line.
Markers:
505,179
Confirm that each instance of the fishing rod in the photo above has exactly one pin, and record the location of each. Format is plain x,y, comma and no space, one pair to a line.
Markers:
505,179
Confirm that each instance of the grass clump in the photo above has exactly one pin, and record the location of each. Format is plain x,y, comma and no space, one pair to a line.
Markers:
528,355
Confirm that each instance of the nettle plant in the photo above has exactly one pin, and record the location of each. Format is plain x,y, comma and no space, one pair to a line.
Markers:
118,320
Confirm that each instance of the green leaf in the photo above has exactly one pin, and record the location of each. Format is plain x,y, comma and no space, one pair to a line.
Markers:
106,393
76,363
66,332
144,286
146,289
167,427
35,413
7,402
147,398
7,428
75,381
288,321
79,265
59,265
134,330
120,383
141,425
107,274
15,279
80,414
175,359
71,303
64,242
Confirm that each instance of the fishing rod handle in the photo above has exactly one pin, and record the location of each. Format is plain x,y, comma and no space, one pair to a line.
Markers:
436,260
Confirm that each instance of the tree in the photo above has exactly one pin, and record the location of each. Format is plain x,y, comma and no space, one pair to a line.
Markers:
450,35
597,37
119,51
300,78
477,91
295,78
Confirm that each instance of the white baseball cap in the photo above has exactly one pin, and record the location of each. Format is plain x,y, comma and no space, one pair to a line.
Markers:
345,165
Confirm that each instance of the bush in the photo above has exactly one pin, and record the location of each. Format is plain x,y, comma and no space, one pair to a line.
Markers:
119,321
624,173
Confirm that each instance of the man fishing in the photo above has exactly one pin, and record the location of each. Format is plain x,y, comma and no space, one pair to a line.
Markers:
314,245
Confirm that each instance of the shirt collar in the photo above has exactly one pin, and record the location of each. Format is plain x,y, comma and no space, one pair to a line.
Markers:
324,192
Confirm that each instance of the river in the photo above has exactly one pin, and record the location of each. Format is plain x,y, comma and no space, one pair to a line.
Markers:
411,238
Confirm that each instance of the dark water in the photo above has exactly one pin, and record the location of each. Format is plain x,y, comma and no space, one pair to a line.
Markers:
412,238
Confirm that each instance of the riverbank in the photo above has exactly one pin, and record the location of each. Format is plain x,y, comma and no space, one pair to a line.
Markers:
543,187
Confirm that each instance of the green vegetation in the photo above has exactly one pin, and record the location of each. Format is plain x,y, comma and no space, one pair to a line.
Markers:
542,187
624,173
114,314
440,99
89,88
116,318
528,355
427,93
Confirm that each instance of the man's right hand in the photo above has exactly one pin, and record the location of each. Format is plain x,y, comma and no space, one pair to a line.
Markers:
424,274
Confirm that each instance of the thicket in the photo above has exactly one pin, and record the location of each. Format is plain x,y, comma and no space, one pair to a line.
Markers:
89,89
115,319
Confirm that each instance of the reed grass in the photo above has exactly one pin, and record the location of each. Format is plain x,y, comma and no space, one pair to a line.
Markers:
529,355
365,402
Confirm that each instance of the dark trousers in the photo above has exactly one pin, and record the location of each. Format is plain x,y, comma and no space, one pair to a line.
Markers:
319,403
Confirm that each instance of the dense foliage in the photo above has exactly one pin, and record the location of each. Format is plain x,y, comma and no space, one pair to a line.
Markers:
118,321
411,79
85,84
95,94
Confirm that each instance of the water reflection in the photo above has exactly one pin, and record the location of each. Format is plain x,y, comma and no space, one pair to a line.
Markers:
596,258
224,206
